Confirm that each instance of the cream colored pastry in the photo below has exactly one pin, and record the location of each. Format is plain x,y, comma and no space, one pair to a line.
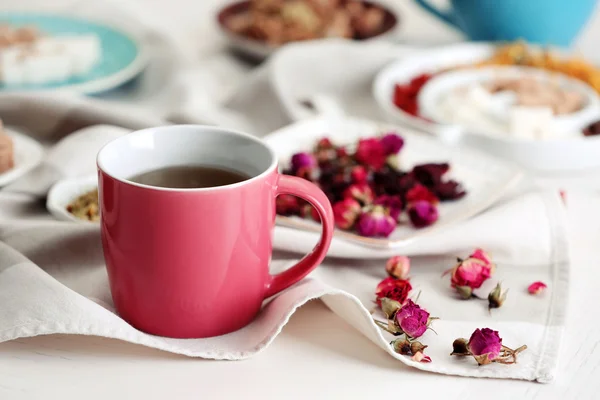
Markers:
7,153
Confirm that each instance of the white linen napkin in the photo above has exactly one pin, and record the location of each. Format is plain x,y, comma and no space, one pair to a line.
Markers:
52,280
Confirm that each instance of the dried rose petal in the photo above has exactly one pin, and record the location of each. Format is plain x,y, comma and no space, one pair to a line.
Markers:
361,192
392,143
345,213
398,267
392,204
370,152
485,345
537,288
420,357
286,204
393,289
375,222
420,192
422,214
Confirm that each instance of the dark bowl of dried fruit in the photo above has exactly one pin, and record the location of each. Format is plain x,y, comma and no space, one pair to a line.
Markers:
256,28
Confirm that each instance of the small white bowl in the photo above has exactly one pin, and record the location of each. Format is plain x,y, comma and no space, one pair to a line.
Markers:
64,192
432,93
537,156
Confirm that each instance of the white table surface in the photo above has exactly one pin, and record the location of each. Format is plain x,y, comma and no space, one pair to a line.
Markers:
317,355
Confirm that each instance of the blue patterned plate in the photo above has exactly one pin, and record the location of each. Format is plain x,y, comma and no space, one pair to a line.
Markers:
122,56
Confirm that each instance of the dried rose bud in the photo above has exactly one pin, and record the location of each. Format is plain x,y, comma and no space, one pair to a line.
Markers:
420,192
496,297
393,204
537,288
325,155
361,192
392,289
416,347
420,357
303,160
471,273
422,214
450,190
392,143
359,174
286,204
465,292
460,347
375,222
389,307
479,254
341,152
485,345
402,346
398,267
324,143
412,319
345,213
308,173
430,174
370,152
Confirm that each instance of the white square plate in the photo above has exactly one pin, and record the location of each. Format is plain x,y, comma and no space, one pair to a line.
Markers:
484,178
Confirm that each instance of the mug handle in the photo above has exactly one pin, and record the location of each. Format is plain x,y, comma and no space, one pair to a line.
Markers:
308,191
444,16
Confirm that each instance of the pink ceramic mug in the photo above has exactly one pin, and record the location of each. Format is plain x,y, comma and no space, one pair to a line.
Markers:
192,263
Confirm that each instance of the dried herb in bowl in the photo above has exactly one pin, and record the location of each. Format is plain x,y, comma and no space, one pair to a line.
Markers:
368,191
86,207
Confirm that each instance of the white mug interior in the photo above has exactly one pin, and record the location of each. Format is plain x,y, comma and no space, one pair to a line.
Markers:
185,145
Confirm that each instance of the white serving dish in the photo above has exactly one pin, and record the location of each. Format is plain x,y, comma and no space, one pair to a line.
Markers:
549,155
435,89
484,177
28,154
64,192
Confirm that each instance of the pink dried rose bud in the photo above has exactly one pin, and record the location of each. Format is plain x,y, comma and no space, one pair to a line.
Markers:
308,173
470,273
422,213
286,204
392,289
485,345
361,192
345,213
303,160
375,222
479,254
359,174
392,204
420,192
412,319
370,152
398,267
341,152
537,288
392,143
420,357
